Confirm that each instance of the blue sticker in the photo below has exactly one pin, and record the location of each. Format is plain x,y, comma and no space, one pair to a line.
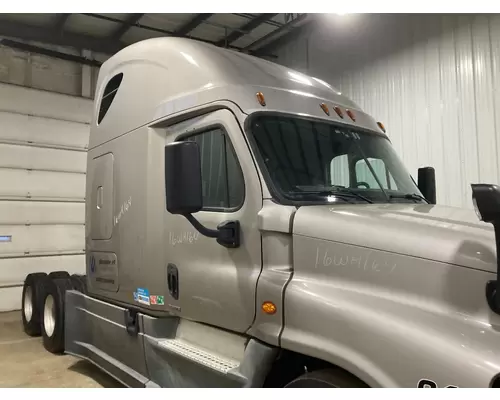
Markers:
142,296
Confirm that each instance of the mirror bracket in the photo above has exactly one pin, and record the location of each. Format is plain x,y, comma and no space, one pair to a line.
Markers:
227,232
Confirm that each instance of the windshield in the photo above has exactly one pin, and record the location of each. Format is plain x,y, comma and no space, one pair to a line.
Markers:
310,160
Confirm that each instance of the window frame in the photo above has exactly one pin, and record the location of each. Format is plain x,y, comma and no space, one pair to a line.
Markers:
206,129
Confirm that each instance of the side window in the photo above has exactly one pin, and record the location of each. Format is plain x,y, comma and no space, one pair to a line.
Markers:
109,95
339,171
222,179
363,174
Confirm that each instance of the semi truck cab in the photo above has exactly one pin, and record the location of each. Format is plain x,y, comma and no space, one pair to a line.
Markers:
247,225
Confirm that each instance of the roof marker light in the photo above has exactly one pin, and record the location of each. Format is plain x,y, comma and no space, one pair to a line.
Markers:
351,115
261,99
324,107
339,111
381,126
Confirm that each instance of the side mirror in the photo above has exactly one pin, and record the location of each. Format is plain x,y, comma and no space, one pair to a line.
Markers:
486,200
184,196
183,178
427,183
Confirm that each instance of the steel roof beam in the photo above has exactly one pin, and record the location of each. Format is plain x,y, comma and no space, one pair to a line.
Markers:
191,25
60,22
49,53
271,39
79,41
245,29
132,20
37,34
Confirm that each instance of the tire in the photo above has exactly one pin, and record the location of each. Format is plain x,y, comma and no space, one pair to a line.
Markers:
79,283
52,321
31,303
58,274
326,378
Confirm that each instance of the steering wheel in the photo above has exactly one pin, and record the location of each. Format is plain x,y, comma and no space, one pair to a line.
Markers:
366,185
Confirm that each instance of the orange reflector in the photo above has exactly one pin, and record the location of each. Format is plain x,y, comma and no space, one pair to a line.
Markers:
261,99
338,111
351,115
381,126
268,307
324,107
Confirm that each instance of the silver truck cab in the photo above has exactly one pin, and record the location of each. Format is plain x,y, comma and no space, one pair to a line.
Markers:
248,225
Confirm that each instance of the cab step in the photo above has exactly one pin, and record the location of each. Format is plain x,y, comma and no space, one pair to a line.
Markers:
199,355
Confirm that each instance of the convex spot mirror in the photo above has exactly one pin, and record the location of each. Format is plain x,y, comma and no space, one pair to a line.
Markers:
183,178
486,200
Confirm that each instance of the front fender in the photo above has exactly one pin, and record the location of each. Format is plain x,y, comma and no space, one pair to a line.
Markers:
390,320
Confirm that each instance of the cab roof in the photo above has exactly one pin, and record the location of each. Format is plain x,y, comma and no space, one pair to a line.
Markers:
163,76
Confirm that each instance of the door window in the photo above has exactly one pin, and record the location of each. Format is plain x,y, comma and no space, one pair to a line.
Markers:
222,178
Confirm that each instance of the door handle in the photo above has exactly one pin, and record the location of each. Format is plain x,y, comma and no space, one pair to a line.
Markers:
100,198
173,281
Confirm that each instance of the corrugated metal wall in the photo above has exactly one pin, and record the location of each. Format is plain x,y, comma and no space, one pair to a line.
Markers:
433,80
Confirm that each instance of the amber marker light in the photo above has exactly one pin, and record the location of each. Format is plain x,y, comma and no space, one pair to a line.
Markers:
268,307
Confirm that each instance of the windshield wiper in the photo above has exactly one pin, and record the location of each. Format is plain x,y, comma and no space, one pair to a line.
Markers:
337,191
342,190
408,196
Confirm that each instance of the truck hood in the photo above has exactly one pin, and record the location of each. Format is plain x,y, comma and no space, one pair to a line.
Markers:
445,234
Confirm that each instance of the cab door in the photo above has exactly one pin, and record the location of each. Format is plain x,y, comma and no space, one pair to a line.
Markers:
208,282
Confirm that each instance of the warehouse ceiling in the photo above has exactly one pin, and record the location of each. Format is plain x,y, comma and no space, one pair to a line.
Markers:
256,34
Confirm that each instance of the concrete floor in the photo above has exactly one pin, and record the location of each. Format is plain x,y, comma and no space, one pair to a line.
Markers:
25,363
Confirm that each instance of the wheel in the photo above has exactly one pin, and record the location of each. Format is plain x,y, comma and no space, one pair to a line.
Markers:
326,378
58,274
31,303
79,283
53,314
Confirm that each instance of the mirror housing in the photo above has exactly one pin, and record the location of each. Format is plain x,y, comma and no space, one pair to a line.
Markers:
486,200
183,178
184,194
427,183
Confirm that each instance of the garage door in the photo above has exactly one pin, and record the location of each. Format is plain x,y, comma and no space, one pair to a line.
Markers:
43,143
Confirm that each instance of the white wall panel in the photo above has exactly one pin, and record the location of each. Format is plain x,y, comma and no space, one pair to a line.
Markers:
40,213
40,103
39,158
432,79
450,103
43,143
21,128
42,239
41,185
9,298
